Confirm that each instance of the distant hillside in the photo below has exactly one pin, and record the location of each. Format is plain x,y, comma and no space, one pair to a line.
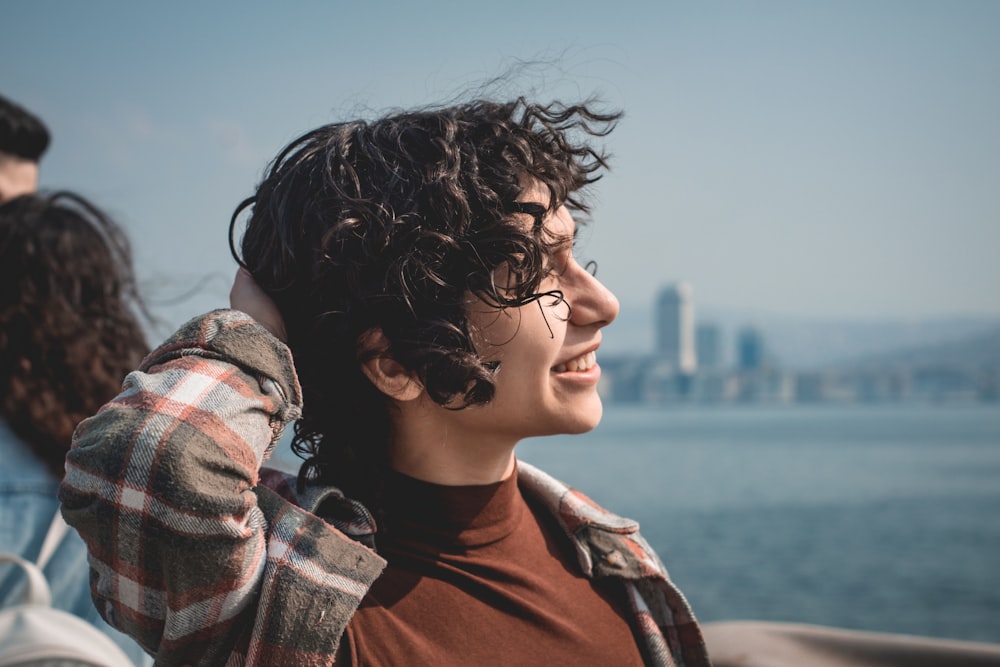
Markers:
814,344
977,351
801,343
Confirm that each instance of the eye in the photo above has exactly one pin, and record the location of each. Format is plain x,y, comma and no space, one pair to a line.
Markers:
534,209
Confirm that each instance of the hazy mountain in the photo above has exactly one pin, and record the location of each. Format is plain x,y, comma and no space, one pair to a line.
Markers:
977,351
801,342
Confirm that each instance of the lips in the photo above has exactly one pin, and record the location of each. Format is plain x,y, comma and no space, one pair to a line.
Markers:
582,363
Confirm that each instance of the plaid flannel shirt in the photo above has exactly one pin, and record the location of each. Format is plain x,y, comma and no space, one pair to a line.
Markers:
206,559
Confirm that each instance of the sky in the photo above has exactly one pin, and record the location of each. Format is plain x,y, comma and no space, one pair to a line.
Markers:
815,159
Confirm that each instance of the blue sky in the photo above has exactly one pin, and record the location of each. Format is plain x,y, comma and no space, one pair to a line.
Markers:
834,160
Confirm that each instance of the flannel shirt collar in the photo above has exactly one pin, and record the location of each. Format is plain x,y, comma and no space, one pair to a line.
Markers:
605,544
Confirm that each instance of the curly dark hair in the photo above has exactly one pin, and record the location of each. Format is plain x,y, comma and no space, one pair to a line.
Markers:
390,224
69,317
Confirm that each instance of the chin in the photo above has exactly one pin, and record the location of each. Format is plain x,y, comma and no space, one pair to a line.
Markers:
586,421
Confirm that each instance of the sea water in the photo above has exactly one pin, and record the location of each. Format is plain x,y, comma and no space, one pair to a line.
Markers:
882,518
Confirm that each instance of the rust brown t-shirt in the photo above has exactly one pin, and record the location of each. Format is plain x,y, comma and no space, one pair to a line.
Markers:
479,576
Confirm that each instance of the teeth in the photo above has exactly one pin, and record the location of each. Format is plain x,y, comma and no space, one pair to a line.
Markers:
582,363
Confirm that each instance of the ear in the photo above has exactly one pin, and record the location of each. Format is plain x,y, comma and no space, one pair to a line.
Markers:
388,375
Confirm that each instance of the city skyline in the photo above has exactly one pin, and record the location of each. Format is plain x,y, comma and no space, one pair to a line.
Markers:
789,341
685,366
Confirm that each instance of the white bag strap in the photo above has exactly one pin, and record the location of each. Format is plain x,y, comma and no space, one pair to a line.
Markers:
57,530
37,591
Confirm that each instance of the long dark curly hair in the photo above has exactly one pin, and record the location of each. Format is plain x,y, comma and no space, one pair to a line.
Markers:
69,317
390,224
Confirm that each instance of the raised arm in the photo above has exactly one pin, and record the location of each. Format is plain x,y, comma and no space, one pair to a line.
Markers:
160,483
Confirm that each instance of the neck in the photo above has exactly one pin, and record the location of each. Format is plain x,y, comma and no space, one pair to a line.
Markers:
433,444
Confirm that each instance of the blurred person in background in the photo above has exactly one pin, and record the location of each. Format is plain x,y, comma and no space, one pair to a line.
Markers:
69,332
23,140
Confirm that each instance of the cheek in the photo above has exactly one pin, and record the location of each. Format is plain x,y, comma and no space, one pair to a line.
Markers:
493,333
549,320
523,340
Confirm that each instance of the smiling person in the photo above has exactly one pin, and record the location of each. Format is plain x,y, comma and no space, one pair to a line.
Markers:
409,297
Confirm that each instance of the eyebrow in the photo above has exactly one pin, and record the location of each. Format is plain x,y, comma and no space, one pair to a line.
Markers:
534,209
537,211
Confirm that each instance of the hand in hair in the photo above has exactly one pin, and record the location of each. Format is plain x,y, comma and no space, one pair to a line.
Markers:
247,296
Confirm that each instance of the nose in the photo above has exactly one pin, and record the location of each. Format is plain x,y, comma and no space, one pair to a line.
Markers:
592,303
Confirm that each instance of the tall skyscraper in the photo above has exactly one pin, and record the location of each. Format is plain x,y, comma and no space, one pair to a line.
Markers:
750,349
675,341
708,343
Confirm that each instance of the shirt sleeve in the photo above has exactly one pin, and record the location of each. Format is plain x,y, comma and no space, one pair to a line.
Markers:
161,485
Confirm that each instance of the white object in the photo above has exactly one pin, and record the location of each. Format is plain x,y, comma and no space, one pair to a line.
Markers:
33,634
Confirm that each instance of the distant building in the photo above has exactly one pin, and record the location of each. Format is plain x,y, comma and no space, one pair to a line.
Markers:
708,345
750,349
675,342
